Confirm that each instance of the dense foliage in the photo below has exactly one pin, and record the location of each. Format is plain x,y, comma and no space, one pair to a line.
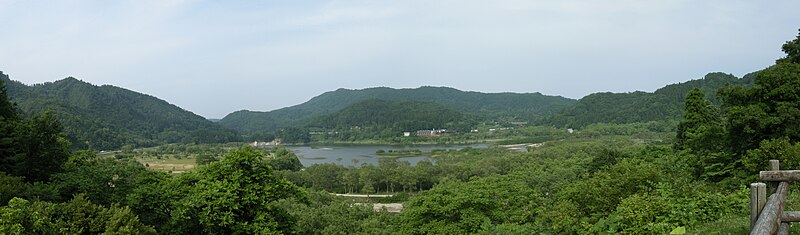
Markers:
108,117
233,196
528,106
77,216
397,116
32,148
664,104
755,124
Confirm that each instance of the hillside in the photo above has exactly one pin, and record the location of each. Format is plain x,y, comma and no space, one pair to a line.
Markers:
525,106
396,115
664,104
107,117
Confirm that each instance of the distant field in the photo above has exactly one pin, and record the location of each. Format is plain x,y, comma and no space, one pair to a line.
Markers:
170,164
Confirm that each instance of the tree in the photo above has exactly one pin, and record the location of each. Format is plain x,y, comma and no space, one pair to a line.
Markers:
104,180
34,148
602,192
43,148
460,208
792,50
7,108
769,110
702,135
294,135
234,195
283,159
699,119
77,216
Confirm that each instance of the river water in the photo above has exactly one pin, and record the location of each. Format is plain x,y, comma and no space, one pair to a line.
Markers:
355,155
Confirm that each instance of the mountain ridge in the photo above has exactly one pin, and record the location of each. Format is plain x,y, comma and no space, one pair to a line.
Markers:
107,117
665,103
529,105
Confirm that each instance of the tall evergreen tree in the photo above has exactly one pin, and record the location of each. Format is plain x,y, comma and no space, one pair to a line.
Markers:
7,109
700,122
33,148
702,135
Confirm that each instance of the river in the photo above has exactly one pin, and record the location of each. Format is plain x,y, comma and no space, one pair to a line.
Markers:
355,155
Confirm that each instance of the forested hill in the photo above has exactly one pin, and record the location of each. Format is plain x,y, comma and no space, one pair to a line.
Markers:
392,115
527,106
663,104
107,117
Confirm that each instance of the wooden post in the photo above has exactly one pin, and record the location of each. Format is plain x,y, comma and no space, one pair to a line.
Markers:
784,175
791,216
770,218
784,229
774,165
758,197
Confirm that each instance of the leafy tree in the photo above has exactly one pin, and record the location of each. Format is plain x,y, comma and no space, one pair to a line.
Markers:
792,50
10,187
103,180
43,148
294,135
78,216
324,176
603,191
234,195
34,148
328,214
769,110
458,208
778,149
283,159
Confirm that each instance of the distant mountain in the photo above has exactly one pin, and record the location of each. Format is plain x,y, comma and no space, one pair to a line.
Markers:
395,115
526,106
663,104
107,117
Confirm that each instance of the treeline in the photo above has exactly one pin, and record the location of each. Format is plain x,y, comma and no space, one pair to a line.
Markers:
751,126
663,104
527,106
383,120
398,116
108,117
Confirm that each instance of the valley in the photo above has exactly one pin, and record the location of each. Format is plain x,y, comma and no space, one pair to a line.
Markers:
86,159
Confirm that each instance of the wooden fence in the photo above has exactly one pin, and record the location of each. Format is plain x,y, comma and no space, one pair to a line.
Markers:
767,215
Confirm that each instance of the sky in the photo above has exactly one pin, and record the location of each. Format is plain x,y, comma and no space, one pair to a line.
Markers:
216,57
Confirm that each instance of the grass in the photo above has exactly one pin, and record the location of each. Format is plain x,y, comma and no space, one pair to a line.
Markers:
731,224
169,164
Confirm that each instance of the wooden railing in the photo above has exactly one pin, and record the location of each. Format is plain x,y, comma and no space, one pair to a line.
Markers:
767,215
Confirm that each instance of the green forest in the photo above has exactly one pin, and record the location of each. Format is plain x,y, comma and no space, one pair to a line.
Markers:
108,117
528,106
648,174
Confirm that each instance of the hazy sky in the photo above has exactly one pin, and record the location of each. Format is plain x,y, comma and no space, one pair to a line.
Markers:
216,57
